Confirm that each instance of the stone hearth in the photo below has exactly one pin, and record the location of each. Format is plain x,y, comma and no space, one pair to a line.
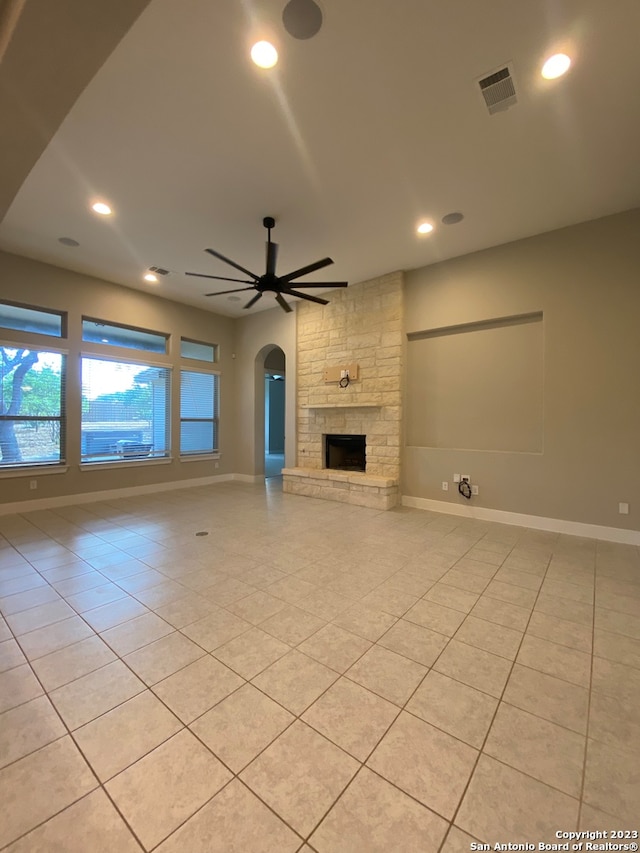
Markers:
350,487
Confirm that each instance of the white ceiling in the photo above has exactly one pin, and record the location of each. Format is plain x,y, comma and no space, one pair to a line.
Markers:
358,133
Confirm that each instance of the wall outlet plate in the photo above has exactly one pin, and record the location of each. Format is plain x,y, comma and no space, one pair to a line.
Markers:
445,486
475,490
623,508
456,478
466,477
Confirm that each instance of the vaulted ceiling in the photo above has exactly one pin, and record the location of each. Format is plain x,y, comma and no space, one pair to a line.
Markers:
359,133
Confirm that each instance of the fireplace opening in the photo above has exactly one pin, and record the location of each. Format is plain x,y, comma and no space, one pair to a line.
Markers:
345,452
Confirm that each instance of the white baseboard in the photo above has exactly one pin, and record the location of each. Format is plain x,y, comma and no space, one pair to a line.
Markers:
553,525
111,494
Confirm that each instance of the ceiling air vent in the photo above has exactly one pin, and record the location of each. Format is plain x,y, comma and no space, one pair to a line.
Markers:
498,90
159,270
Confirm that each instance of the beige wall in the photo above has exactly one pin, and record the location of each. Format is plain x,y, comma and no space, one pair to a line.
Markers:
585,281
458,378
256,335
41,285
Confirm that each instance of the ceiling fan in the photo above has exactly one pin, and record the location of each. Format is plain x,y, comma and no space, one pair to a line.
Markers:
278,284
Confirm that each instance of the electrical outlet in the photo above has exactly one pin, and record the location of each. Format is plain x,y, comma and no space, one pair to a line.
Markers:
33,484
623,508
216,465
445,486
456,478
475,490
466,477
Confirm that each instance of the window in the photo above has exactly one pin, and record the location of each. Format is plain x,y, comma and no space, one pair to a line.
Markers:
198,412
125,410
31,407
31,320
96,332
197,350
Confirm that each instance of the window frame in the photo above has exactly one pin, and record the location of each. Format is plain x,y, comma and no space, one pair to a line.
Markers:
63,315
86,462
42,465
214,453
214,348
123,346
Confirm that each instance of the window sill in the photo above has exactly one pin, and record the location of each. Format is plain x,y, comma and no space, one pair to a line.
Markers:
33,471
122,463
200,457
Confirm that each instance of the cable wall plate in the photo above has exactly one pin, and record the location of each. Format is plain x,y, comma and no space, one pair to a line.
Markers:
335,374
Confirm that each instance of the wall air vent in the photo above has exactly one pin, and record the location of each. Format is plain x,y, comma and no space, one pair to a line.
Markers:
158,270
498,90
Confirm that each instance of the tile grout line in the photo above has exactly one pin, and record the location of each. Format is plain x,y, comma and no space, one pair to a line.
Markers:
100,785
184,727
370,769
593,654
340,675
464,791
362,763
500,699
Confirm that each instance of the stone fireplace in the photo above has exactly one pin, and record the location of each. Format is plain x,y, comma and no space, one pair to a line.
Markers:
361,325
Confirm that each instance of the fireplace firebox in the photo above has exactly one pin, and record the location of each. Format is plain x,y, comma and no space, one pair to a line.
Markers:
345,452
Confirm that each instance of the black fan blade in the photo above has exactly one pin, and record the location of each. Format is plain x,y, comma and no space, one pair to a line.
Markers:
272,255
308,296
224,292
319,284
253,300
219,277
233,264
281,302
325,262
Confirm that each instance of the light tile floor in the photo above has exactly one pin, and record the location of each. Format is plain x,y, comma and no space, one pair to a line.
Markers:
310,676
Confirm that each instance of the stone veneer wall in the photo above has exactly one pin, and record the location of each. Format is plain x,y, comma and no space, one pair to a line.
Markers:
361,325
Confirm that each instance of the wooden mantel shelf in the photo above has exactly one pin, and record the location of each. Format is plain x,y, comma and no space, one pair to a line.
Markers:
344,406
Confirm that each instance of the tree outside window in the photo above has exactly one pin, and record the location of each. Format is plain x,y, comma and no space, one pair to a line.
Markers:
31,397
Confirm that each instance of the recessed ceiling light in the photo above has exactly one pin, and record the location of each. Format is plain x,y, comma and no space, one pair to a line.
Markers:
101,208
151,278
264,54
68,241
234,299
424,228
556,66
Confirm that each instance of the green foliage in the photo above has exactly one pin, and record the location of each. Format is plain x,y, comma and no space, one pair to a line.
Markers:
41,393
26,391
41,389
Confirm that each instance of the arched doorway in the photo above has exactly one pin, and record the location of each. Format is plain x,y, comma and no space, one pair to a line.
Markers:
272,375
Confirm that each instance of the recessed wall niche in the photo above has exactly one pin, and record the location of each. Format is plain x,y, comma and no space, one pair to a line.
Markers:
477,386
